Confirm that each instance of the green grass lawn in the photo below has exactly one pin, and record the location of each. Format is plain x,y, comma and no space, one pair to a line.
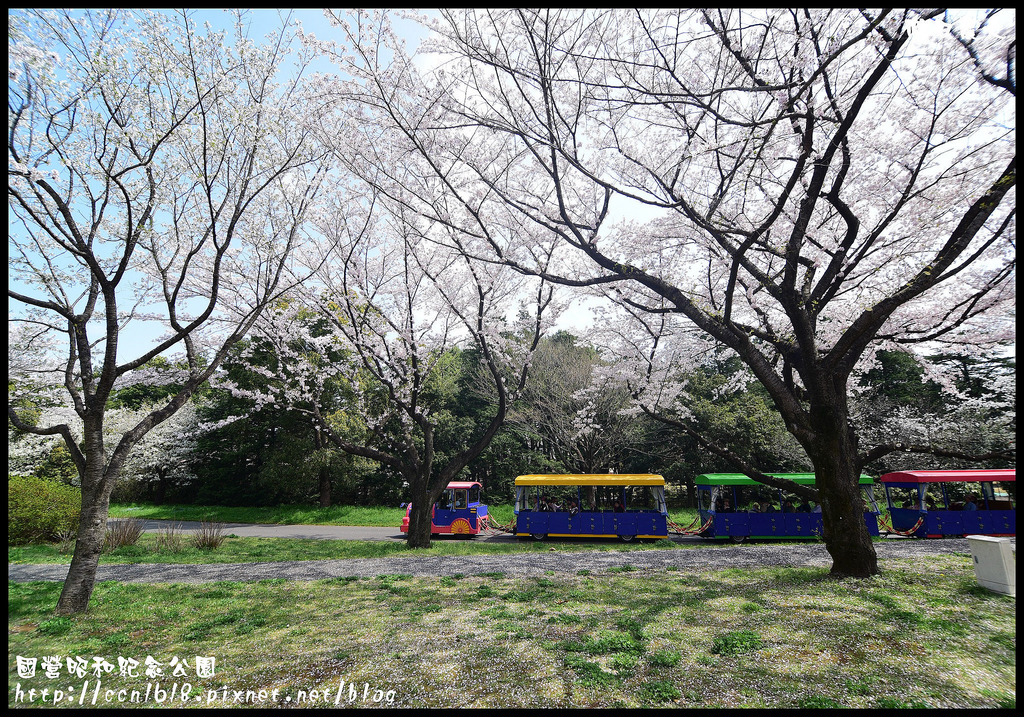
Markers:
921,634
248,550
237,549
371,516
374,516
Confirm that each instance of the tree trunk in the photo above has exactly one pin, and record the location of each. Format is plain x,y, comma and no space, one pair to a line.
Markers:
325,487
420,515
324,474
92,530
834,457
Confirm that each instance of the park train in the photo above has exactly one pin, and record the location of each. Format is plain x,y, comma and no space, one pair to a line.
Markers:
731,506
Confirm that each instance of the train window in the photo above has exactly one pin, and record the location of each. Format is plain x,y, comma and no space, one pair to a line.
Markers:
638,498
704,499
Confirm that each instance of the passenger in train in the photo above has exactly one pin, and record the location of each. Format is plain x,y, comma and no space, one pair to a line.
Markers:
618,507
971,502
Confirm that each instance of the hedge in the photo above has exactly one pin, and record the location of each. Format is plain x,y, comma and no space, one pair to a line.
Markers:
39,510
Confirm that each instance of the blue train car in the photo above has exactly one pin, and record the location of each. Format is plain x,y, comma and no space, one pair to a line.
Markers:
935,504
627,507
736,507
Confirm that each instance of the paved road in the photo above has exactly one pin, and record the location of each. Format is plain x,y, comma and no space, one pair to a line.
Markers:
700,557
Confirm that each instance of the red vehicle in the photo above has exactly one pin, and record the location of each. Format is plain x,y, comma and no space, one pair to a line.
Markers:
934,504
458,512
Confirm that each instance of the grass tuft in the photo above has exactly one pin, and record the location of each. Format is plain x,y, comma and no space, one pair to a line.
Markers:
209,536
170,539
122,533
736,643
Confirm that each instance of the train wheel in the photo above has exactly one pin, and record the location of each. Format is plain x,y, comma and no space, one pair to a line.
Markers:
737,538
538,536
627,538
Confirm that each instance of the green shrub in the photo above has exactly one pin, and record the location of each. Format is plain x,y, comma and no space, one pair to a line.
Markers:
39,510
58,466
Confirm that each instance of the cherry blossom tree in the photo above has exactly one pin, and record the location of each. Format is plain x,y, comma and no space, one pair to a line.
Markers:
802,187
164,455
161,456
962,414
157,172
362,345
398,288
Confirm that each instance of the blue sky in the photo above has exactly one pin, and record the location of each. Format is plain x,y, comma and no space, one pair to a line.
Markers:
139,336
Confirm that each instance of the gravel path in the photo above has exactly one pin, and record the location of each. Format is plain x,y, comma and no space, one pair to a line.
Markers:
512,565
